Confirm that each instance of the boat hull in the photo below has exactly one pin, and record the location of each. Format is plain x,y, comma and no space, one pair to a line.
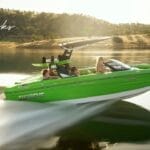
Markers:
87,88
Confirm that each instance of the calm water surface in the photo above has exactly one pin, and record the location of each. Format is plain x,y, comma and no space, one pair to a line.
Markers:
20,61
121,126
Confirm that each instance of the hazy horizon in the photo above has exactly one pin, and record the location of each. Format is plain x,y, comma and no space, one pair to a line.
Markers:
114,11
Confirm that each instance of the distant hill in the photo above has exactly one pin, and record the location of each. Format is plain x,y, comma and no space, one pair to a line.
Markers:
30,26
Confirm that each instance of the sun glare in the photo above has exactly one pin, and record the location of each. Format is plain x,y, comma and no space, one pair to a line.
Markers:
115,11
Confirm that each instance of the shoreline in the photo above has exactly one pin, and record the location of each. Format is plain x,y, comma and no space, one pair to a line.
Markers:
115,42
139,41
6,44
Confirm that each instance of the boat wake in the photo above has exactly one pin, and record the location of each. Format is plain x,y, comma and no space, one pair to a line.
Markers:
142,100
26,125
23,122
13,77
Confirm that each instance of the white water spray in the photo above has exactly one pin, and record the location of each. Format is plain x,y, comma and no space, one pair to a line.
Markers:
23,122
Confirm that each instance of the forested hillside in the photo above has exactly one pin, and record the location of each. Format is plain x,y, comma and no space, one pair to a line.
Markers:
37,26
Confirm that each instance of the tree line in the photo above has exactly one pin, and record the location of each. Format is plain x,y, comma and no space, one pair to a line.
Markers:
28,25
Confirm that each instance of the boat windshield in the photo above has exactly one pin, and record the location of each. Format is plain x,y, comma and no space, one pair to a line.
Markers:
116,65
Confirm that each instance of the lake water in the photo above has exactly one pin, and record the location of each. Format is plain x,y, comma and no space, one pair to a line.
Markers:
16,60
117,125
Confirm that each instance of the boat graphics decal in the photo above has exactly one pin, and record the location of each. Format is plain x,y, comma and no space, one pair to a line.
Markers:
25,97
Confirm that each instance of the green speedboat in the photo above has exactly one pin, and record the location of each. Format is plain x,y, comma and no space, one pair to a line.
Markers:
123,82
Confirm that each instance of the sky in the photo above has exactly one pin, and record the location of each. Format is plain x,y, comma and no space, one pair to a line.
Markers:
114,11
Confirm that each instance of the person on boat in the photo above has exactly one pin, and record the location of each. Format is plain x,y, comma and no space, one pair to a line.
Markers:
43,60
53,67
74,72
53,73
100,66
45,73
63,68
49,74
52,64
